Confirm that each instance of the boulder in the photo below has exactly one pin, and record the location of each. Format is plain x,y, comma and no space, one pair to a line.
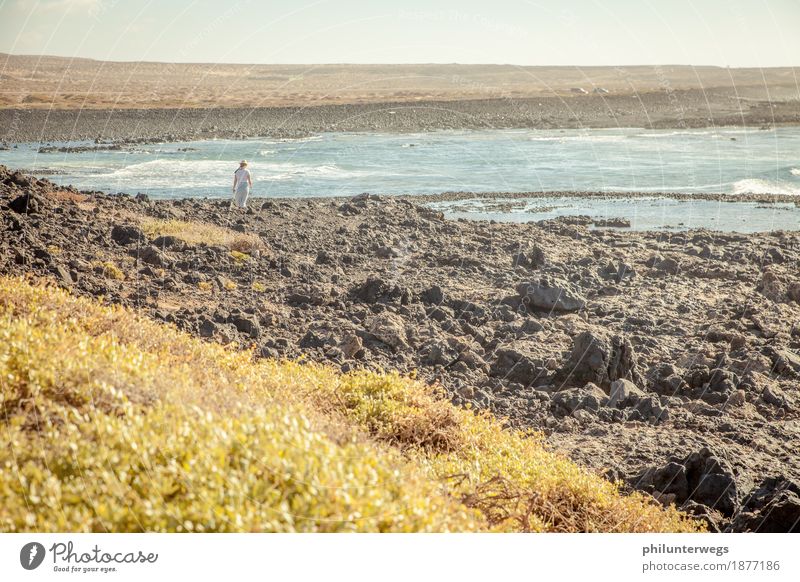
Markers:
793,291
651,410
590,397
375,290
28,203
387,252
514,366
548,296
389,329
207,328
701,477
531,326
439,353
432,295
774,396
127,234
624,393
666,266
600,359
62,274
169,242
772,286
772,507
784,361
247,325
352,347
531,260
152,256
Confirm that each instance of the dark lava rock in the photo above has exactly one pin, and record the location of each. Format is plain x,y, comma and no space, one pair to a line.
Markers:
624,393
784,361
375,289
169,242
28,203
531,260
325,258
547,296
701,477
127,234
772,507
596,358
667,266
432,296
667,381
152,256
513,366
246,325
207,328
711,386
63,274
650,409
590,397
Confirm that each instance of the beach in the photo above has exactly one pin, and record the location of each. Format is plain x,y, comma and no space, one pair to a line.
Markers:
656,110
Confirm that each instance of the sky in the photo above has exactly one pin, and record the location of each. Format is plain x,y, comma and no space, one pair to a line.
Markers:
737,33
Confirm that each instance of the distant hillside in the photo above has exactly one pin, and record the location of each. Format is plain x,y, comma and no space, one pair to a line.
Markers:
67,83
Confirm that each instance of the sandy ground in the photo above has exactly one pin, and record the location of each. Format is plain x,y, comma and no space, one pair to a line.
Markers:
62,83
53,98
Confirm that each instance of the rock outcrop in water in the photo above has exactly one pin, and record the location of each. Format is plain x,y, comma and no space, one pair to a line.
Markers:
669,360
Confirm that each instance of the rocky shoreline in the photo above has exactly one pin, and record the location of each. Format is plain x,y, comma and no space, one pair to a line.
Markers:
655,110
669,361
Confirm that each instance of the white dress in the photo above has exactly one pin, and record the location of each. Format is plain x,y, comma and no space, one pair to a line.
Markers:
241,187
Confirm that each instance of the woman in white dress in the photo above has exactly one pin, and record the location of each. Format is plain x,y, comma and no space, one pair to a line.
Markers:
242,182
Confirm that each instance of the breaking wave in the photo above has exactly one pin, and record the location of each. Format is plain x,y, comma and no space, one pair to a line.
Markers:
758,186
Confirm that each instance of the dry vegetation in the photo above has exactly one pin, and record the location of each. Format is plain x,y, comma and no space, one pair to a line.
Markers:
117,423
62,83
195,233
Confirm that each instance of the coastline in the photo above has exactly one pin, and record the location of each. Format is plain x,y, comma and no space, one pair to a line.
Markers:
710,196
653,110
697,331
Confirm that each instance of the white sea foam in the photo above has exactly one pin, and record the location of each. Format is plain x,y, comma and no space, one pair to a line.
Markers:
672,133
795,171
586,138
758,186
281,171
172,173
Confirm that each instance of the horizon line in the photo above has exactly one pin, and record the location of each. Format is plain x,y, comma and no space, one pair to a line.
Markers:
432,63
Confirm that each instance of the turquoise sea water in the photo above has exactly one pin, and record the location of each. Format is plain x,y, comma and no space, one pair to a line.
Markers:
726,160
649,213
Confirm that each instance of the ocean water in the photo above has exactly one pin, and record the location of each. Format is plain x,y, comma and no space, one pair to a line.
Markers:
725,160
647,213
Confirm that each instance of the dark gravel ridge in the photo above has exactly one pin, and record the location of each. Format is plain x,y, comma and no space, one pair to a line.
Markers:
676,109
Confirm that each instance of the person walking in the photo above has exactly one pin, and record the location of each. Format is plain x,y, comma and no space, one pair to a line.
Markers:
242,183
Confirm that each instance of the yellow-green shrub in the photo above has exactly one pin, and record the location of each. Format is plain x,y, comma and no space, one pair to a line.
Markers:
203,232
117,423
114,423
509,475
110,270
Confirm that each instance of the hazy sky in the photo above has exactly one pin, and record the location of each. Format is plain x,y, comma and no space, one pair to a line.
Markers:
538,32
